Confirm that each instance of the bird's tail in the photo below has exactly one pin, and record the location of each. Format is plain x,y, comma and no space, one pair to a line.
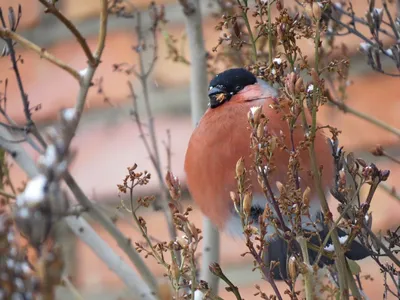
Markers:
279,250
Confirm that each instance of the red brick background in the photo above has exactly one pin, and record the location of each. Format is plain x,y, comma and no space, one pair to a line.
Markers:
108,140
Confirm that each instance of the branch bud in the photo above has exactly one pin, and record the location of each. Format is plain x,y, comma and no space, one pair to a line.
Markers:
299,86
240,167
316,9
234,198
292,268
306,196
248,199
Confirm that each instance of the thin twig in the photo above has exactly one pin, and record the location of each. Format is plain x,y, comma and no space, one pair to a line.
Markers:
152,146
124,243
217,271
382,245
24,96
347,109
72,288
244,8
30,125
392,25
390,190
50,8
102,32
43,53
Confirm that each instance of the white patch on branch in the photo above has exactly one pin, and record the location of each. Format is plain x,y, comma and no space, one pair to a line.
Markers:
34,192
69,114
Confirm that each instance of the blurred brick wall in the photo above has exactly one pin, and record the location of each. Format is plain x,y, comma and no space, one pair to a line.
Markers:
108,141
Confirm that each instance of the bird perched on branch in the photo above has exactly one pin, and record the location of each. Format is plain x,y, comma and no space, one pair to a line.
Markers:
222,137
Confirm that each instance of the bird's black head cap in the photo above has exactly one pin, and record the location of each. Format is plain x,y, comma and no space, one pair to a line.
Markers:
228,83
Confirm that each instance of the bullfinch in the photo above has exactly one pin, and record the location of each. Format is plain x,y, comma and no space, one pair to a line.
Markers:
222,136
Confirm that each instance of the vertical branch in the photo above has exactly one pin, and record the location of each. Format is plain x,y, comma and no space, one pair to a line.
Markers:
102,32
398,8
341,264
151,146
244,8
198,96
269,34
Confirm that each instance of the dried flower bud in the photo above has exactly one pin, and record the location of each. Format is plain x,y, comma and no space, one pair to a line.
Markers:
215,268
260,130
281,187
361,162
247,200
279,31
279,5
299,86
384,175
292,268
290,81
272,143
173,185
342,178
234,198
306,196
240,167
256,113
309,10
193,231
316,9
182,242
377,151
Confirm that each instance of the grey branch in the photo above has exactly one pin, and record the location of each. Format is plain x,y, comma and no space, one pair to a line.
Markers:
198,102
99,247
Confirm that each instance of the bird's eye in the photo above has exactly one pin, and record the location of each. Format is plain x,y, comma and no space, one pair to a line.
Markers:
238,88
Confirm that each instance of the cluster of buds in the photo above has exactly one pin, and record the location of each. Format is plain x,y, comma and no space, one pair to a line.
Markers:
186,245
313,10
262,142
294,84
372,174
17,280
43,202
133,179
174,186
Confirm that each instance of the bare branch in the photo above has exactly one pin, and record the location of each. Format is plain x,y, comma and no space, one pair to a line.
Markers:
198,98
347,109
50,8
6,33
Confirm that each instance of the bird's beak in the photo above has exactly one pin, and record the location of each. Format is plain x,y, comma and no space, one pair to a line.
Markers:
214,91
217,96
